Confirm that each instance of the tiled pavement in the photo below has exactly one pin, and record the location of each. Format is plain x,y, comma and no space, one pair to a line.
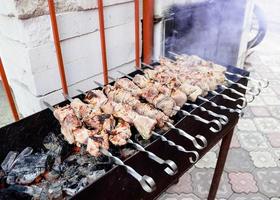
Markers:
252,169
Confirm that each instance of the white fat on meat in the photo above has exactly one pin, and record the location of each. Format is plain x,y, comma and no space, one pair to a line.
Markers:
179,97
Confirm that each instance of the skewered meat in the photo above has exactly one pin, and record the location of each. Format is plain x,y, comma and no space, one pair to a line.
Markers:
83,110
69,122
143,124
120,134
149,111
81,135
153,96
96,98
96,142
129,86
179,97
122,96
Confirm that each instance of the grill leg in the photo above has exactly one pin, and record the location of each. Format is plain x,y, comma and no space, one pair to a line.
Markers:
220,165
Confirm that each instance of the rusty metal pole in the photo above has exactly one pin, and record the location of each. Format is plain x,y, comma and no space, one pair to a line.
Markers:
137,38
57,46
8,91
148,26
103,40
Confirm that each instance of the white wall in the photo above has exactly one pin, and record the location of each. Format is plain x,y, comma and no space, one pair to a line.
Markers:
28,53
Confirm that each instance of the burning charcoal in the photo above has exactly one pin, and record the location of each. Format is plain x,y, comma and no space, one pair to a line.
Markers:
28,169
14,193
8,161
56,145
55,191
95,175
52,175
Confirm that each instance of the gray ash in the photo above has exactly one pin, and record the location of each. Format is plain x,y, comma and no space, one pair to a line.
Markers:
58,171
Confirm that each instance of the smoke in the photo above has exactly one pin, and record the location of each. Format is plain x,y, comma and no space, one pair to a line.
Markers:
211,30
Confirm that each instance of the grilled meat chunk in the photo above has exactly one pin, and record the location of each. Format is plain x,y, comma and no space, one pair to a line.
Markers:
128,85
120,134
96,142
68,121
96,98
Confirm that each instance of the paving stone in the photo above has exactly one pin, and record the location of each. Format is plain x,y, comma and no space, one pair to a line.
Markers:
183,186
252,141
237,156
274,139
260,111
267,124
271,100
263,159
234,142
268,181
276,152
208,161
268,92
246,125
252,196
201,179
258,102
167,196
275,111
248,113
242,182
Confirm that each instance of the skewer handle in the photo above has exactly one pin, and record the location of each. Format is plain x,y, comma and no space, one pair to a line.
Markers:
251,98
220,106
147,183
205,121
194,140
263,83
178,147
222,118
224,96
171,168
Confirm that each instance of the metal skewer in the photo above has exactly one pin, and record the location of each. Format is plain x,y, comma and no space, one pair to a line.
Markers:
171,168
164,139
252,91
147,183
222,118
178,147
263,83
186,135
214,122
212,103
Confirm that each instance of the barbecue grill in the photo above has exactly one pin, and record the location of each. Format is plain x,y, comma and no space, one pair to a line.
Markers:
142,169
117,183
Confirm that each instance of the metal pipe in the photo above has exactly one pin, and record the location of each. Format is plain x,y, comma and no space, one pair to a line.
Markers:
137,37
57,46
8,91
148,25
103,41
